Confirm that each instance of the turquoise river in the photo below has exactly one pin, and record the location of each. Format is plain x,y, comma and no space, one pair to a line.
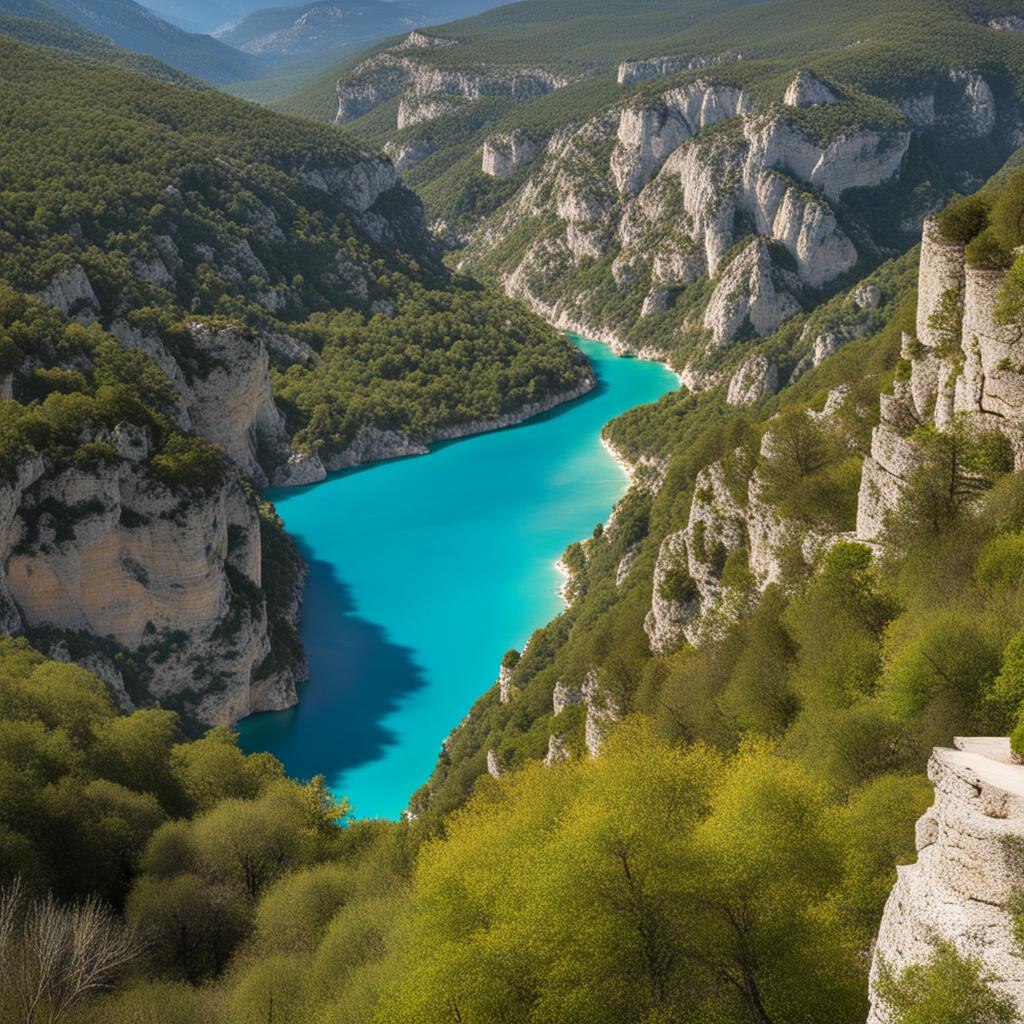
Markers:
424,571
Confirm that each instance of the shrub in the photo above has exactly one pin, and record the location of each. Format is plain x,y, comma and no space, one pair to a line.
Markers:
1006,218
987,252
190,462
964,219
678,586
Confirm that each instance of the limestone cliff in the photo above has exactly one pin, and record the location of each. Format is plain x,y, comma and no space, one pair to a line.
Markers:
966,368
969,846
694,182
159,585
427,90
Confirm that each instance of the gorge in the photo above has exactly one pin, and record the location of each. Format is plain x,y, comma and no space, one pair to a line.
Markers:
455,564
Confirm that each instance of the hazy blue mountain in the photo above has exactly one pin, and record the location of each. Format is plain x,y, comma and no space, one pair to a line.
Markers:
134,27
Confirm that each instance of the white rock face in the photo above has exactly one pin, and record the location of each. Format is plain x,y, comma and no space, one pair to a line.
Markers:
602,713
756,379
406,155
558,752
415,109
808,90
233,405
656,301
564,696
747,292
867,296
966,869
422,40
402,72
358,186
979,103
505,153
1008,23
667,618
982,379
504,684
631,71
71,292
648,134
127,559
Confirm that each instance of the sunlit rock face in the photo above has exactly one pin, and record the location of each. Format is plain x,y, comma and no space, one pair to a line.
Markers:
968,865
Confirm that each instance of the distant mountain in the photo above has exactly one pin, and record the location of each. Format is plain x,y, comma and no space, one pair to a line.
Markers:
328,24
73,41
313,28
133,27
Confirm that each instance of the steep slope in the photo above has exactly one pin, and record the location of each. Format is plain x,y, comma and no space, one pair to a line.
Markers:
213,256
698,196
133,27
71,40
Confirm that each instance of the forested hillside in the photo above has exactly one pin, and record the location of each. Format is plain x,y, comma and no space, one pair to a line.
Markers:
740,166
133,27
200,296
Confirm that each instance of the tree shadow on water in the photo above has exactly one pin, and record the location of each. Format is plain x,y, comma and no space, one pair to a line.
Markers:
357,677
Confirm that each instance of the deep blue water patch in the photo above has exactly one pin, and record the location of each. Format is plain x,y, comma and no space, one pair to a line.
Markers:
424,571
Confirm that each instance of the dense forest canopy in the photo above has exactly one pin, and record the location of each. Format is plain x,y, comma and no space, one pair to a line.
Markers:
117,173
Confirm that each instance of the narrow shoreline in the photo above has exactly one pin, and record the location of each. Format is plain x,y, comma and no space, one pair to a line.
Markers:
562,321
373,444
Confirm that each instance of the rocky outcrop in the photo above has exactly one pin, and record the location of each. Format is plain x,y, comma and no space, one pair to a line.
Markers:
558,753
632,71
968,864
428,90
602,713
407,154
963,363
808,90
962,101
694,597
505,153
1007,23
414,108
750,291
170,577
755,379
71,292
674,600
649,132
422,40
225,396
504,684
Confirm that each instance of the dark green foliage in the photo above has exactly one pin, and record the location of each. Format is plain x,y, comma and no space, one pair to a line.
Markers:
679,586
986,252
965,218
126,172
444,358
1006,217
186,461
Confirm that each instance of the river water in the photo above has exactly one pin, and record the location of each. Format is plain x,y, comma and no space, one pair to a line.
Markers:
424,571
